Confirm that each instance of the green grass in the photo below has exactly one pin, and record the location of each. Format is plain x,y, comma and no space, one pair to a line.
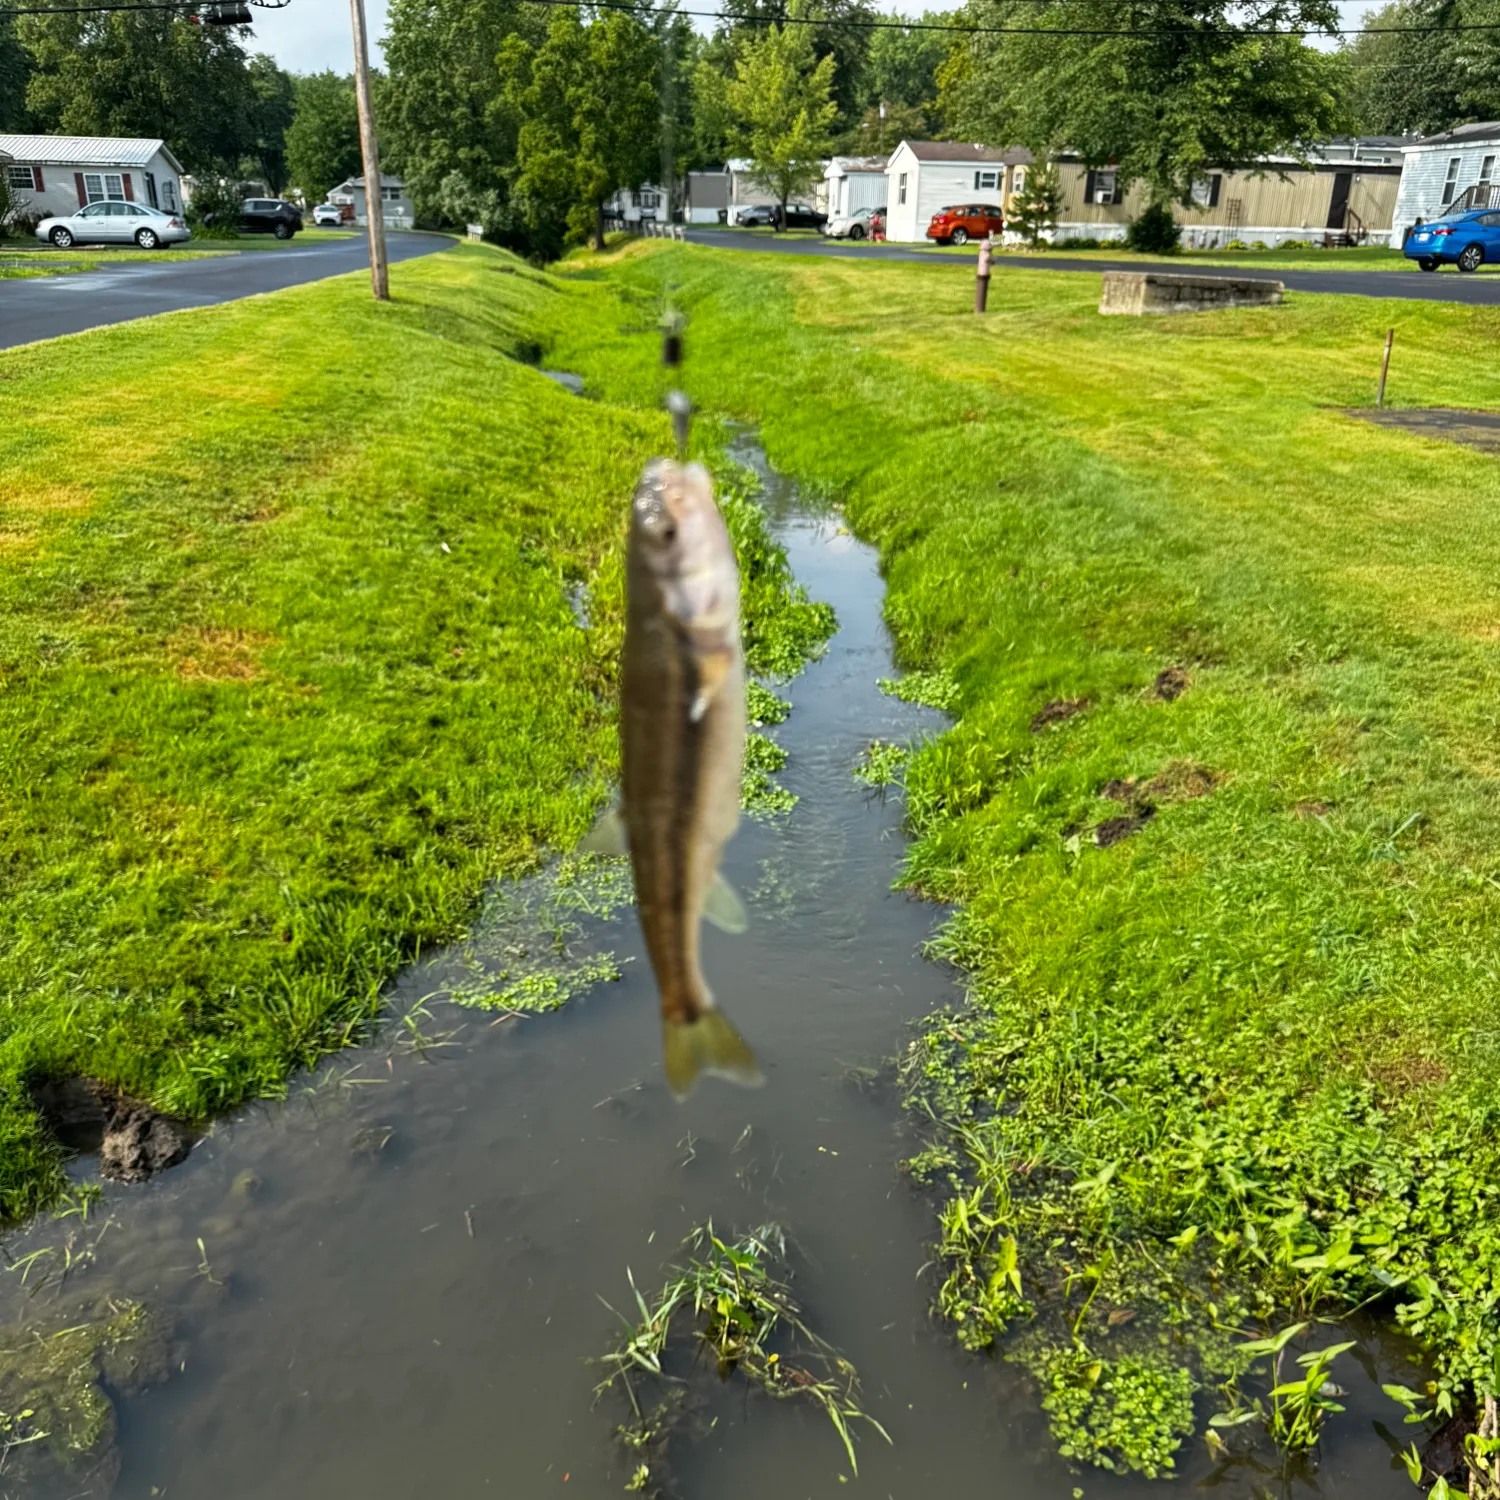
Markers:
1357,258
1241,1065
288,668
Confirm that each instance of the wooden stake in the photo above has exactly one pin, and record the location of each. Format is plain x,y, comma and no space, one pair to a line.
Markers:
374,199
1385,365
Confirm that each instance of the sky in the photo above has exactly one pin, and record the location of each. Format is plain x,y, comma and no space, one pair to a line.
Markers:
310,35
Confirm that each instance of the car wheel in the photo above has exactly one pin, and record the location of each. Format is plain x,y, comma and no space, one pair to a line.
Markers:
960,236
857,233
1427,263
61,237
147,239
283,231
1471,258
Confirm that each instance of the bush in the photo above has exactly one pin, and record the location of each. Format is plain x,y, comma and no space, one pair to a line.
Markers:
213,213
1083,242
1236,245
1295,245
1156,232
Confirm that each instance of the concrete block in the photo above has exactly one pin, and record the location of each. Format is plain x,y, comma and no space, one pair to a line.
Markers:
1132,293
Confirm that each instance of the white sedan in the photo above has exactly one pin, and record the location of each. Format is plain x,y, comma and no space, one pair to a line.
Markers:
855,226
115,223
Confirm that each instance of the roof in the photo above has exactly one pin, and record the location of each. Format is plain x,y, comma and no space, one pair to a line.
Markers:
859,163
1479,130
386,180
961,153
85,150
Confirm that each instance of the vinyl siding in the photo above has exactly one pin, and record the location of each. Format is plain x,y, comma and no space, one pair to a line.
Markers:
1422,194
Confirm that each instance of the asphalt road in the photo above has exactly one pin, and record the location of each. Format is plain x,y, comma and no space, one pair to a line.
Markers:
43,307
1482,288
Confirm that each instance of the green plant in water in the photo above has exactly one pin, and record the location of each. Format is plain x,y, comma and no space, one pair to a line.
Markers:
881,764
759,795
737,1297
1298,1406
1130,1413
763,707
926,689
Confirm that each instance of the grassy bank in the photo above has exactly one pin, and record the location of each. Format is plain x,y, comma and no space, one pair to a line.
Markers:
288,667
1232,1062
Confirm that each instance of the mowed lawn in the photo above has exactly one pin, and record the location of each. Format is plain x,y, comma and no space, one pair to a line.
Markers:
1243,1063
287,666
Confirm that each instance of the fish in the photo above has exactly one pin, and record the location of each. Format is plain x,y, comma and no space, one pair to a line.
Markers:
682,749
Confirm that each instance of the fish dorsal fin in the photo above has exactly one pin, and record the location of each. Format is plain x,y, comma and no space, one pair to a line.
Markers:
723,907
607,836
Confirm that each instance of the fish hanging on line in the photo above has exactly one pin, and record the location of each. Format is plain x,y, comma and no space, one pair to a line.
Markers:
682,746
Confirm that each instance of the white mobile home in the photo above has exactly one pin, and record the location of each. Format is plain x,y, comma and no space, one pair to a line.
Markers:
1437,171
59,174
854,182
397,210
924,176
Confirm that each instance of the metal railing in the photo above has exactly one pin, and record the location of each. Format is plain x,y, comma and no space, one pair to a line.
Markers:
1480,195
652,229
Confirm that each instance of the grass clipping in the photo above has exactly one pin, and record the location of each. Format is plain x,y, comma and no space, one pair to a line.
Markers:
737,1299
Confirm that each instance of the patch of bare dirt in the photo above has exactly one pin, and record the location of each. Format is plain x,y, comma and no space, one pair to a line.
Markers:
1312,809
1178,781
1171,683
133,1140
1112,830
1056,711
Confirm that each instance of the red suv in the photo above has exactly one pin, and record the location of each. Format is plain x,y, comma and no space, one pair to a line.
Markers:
957,226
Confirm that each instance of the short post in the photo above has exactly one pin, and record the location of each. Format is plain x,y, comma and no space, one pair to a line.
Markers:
1385,365
982,274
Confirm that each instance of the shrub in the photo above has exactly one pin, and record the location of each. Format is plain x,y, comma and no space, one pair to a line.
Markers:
1156,232
214,210
1236,245
1295,245
1083,242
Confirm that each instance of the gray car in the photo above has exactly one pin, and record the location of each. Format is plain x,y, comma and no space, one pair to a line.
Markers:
115,223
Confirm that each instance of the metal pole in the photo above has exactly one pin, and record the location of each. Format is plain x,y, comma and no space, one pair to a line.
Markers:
1385,365
374,199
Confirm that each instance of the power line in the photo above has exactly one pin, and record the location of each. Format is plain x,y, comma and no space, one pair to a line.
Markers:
187,7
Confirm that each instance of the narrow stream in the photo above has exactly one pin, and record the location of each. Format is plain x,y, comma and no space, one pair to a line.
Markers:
399,1283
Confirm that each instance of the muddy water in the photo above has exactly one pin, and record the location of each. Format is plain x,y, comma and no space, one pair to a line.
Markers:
399,1280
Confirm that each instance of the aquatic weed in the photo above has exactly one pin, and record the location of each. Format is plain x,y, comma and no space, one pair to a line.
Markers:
737,1298
881,764
759,795
938,689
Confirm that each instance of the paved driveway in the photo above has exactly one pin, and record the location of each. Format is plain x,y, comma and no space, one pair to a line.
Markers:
43,307
1441,286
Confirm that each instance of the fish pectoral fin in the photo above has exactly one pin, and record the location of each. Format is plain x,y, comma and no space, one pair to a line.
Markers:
722,906
713,671
709,1044
607,836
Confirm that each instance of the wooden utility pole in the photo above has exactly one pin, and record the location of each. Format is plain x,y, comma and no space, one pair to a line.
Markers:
1385,369
374,198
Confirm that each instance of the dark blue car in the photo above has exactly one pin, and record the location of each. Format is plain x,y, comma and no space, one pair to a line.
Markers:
1464,240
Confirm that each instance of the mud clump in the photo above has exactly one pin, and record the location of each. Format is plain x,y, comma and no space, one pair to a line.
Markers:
1112,830
1180,781
1312,809
1171,682
134,1141
1056,711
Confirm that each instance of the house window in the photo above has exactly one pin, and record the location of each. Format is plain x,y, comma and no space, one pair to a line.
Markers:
984,180
97,185
1018,180
901,188
20,179
168,195
1487,170
650,200
1450,183
391,194
1100,188
151,189
1205,192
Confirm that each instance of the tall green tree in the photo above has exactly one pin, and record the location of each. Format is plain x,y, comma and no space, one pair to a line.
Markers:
322,143
143,73
901,71
15,70
782,98
444,121
273,93
589,120
1402,79
885,126
1187,91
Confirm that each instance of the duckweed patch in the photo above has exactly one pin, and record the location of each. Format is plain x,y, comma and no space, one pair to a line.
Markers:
731,1300
939,690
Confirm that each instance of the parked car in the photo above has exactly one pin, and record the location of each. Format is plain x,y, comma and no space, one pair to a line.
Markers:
798,216
957,226
328,216
1463,240
270,216
114,223
855,226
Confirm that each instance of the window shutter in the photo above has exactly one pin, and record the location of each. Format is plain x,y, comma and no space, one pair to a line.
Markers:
1088,187
36,178
129,191
1213,190
83,197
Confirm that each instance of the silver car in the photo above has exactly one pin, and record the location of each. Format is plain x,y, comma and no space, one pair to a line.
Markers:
115,223
855,226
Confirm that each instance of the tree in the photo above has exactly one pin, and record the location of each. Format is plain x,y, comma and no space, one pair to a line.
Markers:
273,95
1404,80
589,121
782,98
322,145
885,126
1186,92
445,124
15,70
143,73
901,70
1038,204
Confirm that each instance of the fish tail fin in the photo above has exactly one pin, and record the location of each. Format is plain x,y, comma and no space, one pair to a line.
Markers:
707,1044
